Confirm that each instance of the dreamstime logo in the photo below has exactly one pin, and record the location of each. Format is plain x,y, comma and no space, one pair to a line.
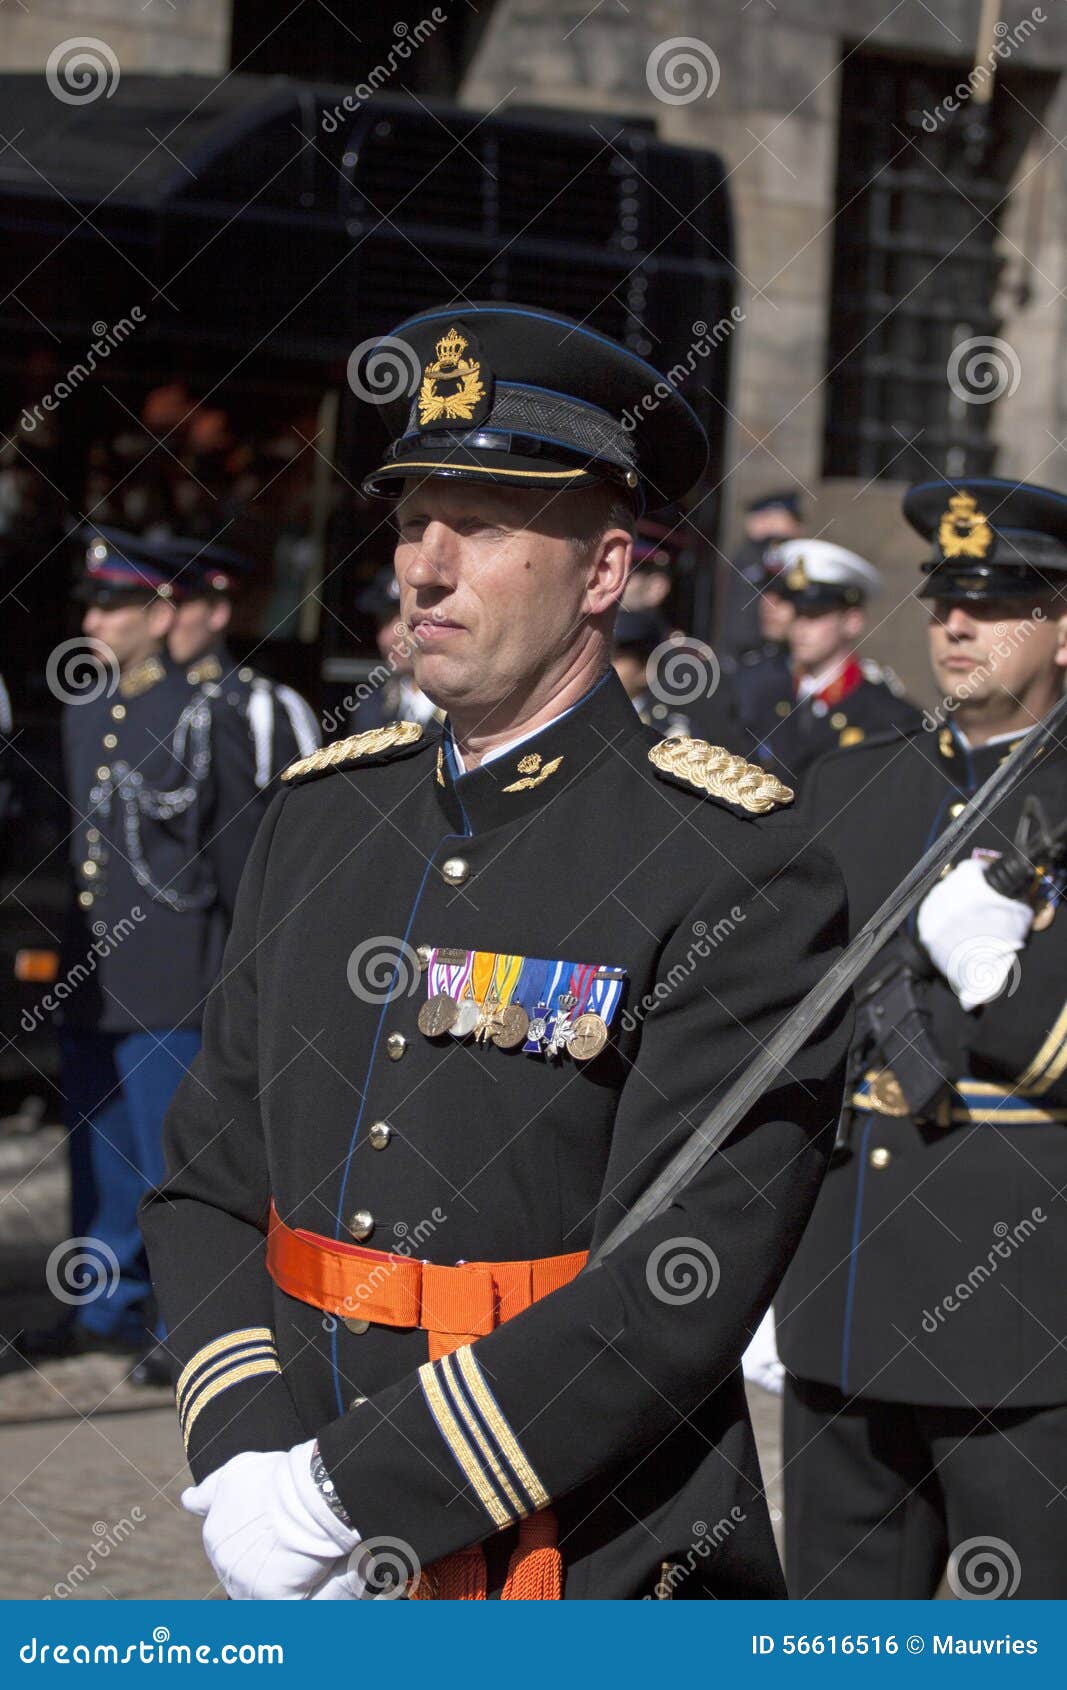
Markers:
382,968
407,1240
388,1565
382,369
1005,42
81,670
1008,1239
682,70
107,338
407,39
983,369
681,671
982,968
80,1270
984,1569
705,341
105,1539
705,940
105,940
705,1539
681,1270
78,71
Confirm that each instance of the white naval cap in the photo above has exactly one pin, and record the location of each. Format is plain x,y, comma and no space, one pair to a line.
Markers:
816,572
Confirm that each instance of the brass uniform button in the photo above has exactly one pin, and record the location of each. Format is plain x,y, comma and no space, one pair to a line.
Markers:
245,674
880,1157
85,899
110,741
92,835
103,772
395,1046
361,1225
379,1135
423,953
783,707
455,870
118,712
956,809
839,719
89,869
358,1327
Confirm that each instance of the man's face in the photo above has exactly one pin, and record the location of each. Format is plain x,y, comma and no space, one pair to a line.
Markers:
994,649
816,640
775,523
132,631
776,615
197,625
496,593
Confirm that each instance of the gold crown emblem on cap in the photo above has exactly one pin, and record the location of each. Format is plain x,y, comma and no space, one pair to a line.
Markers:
963,530
461,377
797,578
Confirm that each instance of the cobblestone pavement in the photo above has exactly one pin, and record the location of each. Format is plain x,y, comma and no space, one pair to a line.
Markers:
91,1467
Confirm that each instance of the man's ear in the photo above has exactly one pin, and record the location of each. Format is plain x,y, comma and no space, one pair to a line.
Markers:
160,614
1061,638
854,622
220,615
657,586
608,567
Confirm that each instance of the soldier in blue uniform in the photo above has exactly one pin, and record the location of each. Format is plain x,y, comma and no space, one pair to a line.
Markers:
164,808
923,1319
466,1014
280,723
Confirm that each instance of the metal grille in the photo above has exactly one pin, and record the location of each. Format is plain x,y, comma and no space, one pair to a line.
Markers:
914,276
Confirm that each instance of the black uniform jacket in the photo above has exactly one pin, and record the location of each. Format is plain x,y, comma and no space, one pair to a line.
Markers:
280,723
789,736
933,1267
164,809
619,1398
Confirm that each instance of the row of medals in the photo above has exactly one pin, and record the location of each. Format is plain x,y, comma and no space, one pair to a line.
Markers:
508,1025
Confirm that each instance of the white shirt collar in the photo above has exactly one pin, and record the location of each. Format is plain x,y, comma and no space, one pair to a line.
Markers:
509,745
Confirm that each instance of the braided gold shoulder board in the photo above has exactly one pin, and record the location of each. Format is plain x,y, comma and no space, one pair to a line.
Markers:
344,752
713,770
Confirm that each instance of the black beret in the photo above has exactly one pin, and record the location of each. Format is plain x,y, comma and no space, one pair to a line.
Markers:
524,397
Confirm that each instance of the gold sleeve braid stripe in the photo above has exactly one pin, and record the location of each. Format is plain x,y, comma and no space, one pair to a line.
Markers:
241,1354
480,1438
1050,1061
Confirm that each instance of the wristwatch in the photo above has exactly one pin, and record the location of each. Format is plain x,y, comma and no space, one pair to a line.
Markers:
328,1488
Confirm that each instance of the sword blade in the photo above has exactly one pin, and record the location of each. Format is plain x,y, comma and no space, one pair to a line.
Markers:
801,1022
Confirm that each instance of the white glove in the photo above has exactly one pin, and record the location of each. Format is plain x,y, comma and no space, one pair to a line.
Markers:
760,1364
268,1530
973,933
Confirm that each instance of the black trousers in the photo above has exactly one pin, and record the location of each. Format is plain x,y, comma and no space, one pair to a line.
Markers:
882,1498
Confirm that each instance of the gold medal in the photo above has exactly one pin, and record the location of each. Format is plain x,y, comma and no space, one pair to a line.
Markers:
510,1027
438,1015
587,1037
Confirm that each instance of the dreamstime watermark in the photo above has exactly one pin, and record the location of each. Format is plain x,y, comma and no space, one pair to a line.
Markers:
682,70
984,1569
107,939
105,1539
108,337
682,1270
1007,39
80,69
81,670
383,968
382,369
704,342
982,968
983,369
1008,1240
680,671
407,40
1005,643
407,1241
705,940
403,650
705,1539
81,1271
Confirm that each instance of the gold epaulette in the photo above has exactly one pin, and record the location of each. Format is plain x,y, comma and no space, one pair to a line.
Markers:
718,773
344,752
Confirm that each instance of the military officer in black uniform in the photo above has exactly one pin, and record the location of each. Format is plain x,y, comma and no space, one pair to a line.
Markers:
467,1012
164,808
923,1318
835,697
280,724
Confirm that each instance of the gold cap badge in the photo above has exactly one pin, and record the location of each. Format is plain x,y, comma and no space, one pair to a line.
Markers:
797,578
963,530
452,387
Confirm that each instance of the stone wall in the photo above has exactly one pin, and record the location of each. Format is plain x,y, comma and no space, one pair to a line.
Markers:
160,36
